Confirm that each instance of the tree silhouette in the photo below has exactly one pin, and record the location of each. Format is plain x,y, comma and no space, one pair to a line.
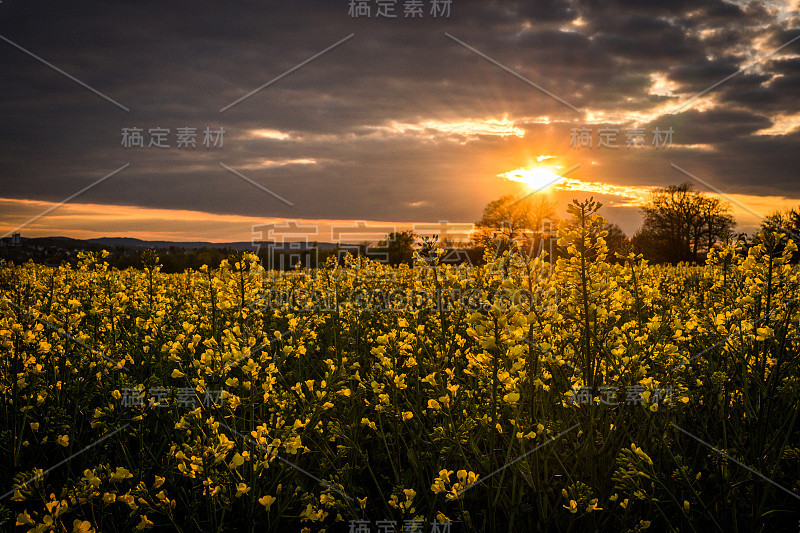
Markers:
508,220
681,223
399,247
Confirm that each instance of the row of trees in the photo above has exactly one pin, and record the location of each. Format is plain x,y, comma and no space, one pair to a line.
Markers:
681,224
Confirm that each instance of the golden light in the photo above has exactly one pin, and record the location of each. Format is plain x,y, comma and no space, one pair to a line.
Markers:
537,178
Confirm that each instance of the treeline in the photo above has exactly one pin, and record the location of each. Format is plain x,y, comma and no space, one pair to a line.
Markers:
680,224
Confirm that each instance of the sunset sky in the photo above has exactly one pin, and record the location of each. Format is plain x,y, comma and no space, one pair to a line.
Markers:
394,121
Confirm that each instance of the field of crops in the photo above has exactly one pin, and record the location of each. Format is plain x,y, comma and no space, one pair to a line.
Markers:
585,396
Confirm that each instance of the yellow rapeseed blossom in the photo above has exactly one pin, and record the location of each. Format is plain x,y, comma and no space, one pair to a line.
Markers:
24,519
267,501
120,474
84,526
340,389
144,523
242,489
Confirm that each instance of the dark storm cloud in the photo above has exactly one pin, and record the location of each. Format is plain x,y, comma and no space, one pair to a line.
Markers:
653,44
712,127
353,110
548,10
780,36
699,75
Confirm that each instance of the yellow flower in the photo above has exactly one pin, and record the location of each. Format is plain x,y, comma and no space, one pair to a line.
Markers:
63,440
764,333
158,482
24,519
593,506
120,474
433,404
177,374
439,483
144,524
267,501
81,527
234,401
129,500
573,506
641,453
327,500
236,461
430,379
511,397
408,415
92,478
242,489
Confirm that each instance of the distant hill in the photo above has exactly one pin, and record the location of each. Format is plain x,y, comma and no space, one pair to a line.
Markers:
126,252
128,242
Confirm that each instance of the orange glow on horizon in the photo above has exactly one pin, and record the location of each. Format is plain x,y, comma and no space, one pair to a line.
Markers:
89,221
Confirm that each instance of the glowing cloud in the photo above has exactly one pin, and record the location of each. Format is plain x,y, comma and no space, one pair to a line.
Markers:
469,129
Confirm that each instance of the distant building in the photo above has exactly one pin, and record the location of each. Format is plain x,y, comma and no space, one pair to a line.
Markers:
16,240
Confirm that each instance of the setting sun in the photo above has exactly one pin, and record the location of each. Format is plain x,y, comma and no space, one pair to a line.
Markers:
537,178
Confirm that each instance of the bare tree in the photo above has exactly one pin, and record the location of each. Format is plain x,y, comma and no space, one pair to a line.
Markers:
681,223
507,220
